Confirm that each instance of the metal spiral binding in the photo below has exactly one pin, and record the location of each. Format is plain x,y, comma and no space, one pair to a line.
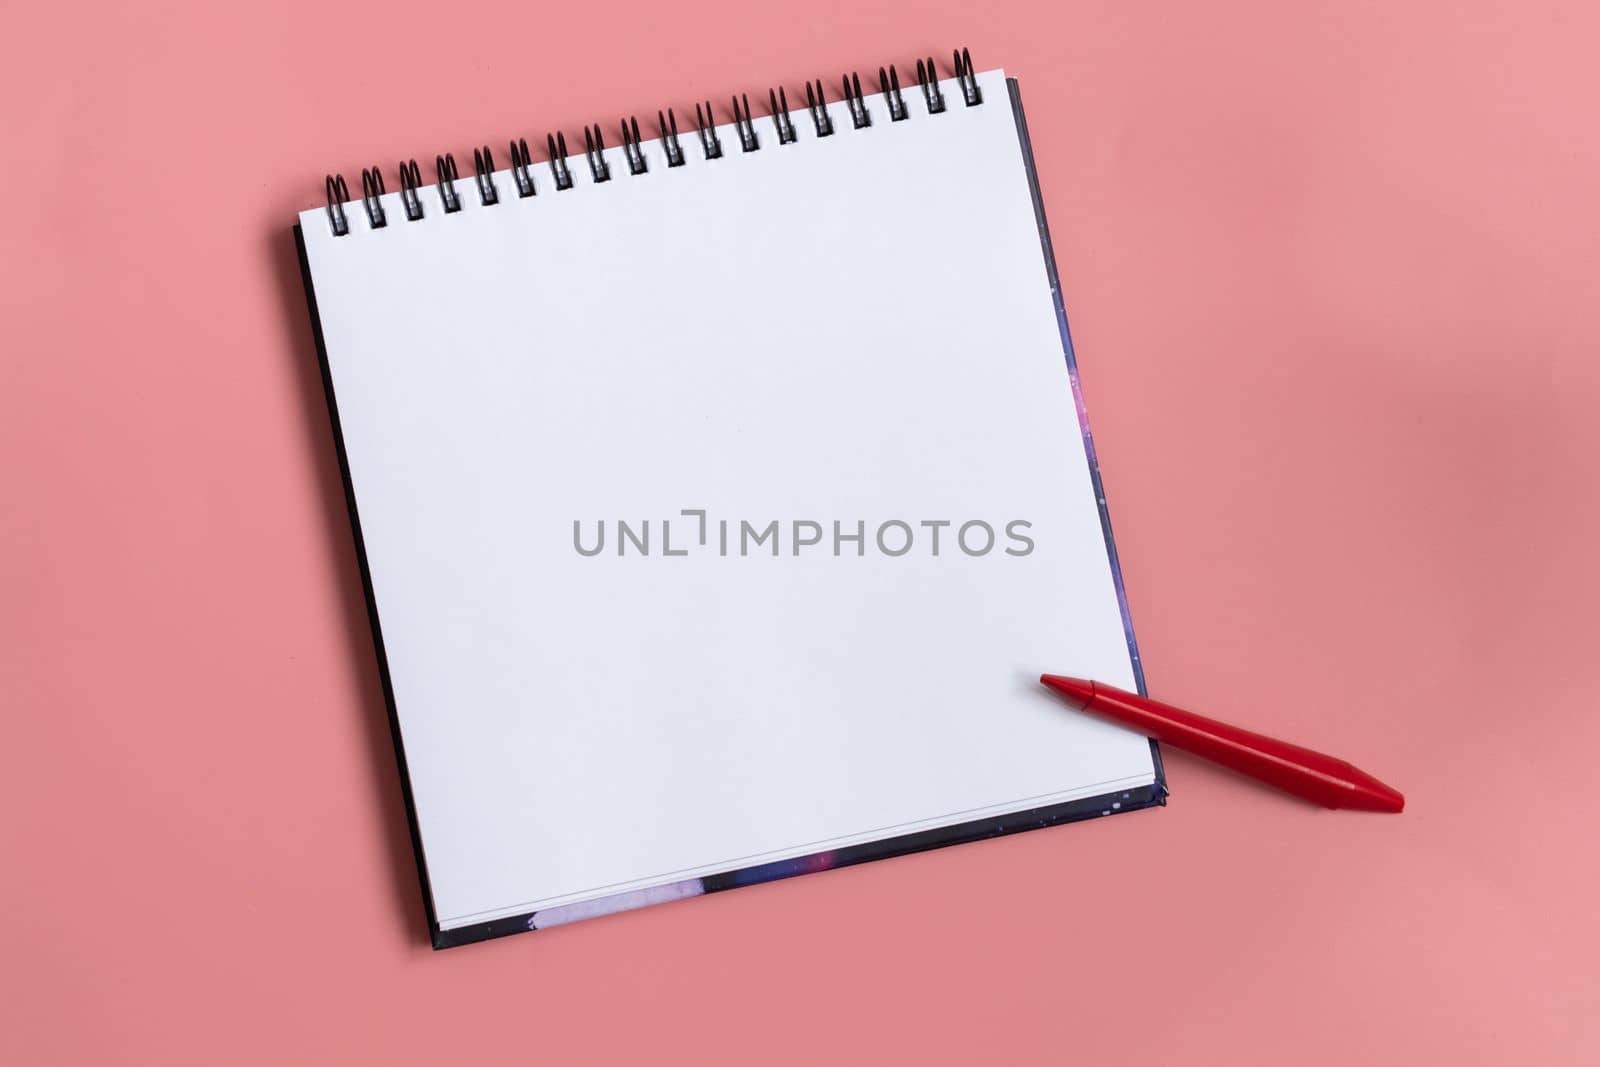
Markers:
708,131
522,167
928,78
856,102
890,83
669,137
631,149
817,104
558,160
594,146
410,182
445,166
371,190
780,115
743,123
968,78
483,167
338,197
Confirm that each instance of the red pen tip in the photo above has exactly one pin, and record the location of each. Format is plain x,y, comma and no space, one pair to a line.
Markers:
1369,794
1076,690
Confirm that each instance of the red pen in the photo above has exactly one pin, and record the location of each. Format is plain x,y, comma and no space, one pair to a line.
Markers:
1321,779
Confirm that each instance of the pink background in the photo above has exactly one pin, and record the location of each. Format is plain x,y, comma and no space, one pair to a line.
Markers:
1332,270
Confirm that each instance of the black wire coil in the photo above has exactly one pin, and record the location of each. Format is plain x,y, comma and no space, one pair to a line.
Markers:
744,121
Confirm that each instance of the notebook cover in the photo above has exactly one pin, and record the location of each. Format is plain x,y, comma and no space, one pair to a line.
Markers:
1153,795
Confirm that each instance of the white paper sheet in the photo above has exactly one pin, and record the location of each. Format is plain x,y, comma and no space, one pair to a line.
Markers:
855,328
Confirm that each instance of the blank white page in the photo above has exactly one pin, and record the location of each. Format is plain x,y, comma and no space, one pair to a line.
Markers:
857,328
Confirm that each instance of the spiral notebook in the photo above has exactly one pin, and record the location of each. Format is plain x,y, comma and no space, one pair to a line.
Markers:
719,497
